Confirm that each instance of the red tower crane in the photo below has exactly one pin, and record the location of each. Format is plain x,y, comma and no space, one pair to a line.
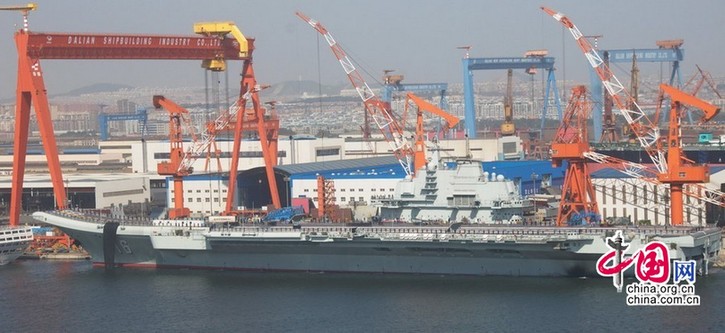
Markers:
648,133
213,49
703,77
681,170
451,121
173,168
378,110
181,161
570,144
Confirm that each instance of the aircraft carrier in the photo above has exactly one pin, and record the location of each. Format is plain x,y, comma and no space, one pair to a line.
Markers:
458,249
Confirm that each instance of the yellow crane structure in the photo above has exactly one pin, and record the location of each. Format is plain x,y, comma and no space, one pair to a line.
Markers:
507,127
221,29
24,9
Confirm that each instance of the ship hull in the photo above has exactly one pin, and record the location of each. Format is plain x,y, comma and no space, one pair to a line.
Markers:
412,252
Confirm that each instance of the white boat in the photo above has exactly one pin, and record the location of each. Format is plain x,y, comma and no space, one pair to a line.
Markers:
13,241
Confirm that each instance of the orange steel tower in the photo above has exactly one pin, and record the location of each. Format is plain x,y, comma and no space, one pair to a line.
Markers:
325,197
570,144
680,170
267,138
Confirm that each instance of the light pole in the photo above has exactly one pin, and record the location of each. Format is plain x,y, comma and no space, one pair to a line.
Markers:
67,202
286,187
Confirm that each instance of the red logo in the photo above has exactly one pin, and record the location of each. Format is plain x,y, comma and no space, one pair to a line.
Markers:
652,261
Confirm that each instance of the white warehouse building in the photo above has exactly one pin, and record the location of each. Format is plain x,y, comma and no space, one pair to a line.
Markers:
621,196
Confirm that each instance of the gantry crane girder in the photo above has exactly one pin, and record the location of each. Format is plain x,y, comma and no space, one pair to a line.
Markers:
42,45
498,63
32,47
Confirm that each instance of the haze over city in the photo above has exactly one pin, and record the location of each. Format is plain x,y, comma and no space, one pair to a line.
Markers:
418,39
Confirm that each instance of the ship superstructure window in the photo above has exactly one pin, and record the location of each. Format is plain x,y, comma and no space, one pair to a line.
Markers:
509,147
465,200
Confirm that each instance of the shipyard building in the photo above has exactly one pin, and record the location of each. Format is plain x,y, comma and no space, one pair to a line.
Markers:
123,174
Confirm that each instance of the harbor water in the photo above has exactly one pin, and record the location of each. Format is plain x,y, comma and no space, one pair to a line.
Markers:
73,296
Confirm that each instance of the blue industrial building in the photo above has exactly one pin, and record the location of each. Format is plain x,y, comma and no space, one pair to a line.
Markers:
364,177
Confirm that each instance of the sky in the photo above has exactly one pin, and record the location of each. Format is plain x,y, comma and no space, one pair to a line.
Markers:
417,38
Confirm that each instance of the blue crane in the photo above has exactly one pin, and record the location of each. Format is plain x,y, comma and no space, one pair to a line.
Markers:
103,119
526,63
392,83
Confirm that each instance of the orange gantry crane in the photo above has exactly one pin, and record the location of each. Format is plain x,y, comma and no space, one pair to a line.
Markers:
213,49
420,159
570,144
684,174
379,111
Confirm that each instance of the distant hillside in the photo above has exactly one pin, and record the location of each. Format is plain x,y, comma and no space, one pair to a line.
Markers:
90,89
299,88
94,88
